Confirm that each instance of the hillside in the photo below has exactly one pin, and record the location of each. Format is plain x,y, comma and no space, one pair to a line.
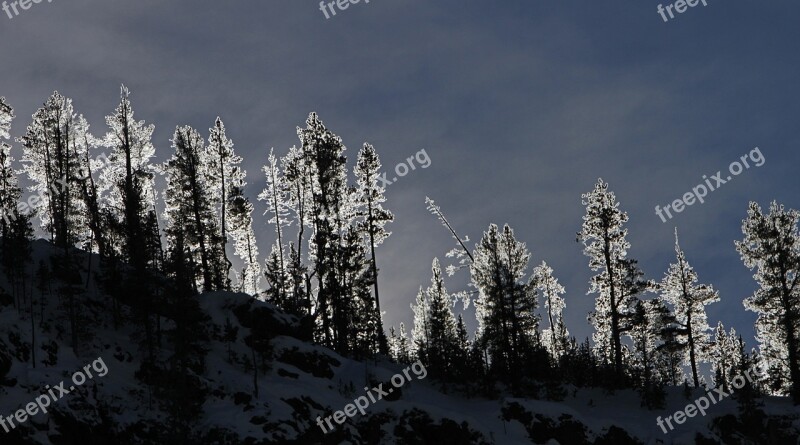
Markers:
295,383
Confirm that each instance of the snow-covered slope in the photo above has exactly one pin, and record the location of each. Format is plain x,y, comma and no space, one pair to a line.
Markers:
294,382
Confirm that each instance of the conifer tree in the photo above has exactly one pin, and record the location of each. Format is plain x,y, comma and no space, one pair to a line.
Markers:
435,335
275,197
240,228
398,345
556,336
191,223
724,352
16,231
647,322
619,280
90,191
771,247
9,189
506,304
375,217
680,289
224,173
51,163
128,179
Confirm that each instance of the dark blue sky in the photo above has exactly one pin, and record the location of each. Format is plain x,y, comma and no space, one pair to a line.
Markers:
520,105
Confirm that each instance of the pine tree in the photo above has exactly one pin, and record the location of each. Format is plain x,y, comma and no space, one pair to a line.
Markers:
724,352
399,347
375,217
556,336
240,228
128,178
771,246
506,304
604,238
435,335
278,281
297,180
89,189
9,189
680,289
51,162
647,322
224,173
191,223
16,231
275,197
340,266
461,350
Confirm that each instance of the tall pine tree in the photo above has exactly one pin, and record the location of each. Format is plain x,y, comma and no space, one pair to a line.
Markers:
680,289
771,247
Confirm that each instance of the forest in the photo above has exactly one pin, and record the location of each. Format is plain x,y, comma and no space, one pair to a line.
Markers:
96,199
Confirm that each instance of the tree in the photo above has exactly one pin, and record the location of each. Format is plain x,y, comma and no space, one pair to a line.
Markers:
771,247
51,163
647,322
619,280
680,289
506,304
435,335
15,227
191,222
460,252
556,336
726,354
398,345
371,198
128,178
240,211
275,196
224,173
9,189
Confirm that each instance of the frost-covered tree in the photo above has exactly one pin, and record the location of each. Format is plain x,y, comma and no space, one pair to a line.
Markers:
506,304
336,250
15,227
647,322
51,163
88,166
224,172
555,337
374,216
191,222
619,280
460,253
435,335
240,229
399,345
275,195
297,180
680,289
128,179
771,247
9,188
725,353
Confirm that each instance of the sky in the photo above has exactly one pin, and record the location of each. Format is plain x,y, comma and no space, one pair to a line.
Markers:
521,106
